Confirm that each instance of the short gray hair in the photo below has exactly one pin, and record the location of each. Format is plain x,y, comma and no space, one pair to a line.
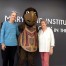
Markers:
13,12
43,20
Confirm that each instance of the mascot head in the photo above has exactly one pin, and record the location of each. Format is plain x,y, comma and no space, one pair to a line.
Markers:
30,16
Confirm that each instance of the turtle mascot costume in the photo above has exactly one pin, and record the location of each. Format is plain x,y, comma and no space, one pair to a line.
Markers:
28,40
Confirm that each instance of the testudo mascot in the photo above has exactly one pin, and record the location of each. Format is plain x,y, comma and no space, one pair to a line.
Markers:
28,40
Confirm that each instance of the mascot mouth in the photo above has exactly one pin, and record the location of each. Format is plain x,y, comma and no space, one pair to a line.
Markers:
28,21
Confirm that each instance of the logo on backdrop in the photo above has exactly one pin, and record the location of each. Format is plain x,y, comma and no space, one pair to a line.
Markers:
57,23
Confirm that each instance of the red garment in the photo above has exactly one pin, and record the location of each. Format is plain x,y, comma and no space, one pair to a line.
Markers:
45,58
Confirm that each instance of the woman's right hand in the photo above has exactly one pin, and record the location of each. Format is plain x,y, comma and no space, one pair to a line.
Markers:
3,46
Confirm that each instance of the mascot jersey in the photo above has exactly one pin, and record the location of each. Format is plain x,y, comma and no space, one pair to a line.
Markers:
28,40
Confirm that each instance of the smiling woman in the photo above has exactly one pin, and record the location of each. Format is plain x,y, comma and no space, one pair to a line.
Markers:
9,40
46,42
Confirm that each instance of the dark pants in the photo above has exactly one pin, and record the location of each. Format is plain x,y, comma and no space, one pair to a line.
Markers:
27,57
8,55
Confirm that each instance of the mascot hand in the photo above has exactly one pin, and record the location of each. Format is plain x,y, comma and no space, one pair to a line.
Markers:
19,49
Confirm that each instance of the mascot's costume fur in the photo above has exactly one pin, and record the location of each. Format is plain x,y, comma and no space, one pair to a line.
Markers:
28,40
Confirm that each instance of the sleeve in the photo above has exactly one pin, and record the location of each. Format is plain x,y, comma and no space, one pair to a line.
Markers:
52,40
3,32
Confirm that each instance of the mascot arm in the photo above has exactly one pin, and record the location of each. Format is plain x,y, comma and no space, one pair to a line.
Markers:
19,43
21,27
37,29
37,37
20,39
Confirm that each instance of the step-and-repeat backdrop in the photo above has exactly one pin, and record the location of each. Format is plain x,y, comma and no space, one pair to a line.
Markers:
54,13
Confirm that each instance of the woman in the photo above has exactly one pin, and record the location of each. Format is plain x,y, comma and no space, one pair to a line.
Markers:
9,31
46,42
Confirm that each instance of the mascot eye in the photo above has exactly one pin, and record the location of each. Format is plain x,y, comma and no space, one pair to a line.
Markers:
35,13
27,12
